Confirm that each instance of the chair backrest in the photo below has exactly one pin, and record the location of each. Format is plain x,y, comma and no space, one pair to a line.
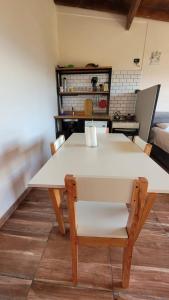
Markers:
132,191
104,189
100,129
57,144
146,147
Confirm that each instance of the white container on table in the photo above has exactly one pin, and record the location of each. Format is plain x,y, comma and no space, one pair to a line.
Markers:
91,136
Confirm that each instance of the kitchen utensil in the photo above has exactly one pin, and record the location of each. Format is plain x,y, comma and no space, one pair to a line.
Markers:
64,84
88,107
91,65
116,115
102,103
101,87
94,81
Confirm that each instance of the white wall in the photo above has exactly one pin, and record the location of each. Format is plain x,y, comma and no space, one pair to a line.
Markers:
28,55
157,39
89,36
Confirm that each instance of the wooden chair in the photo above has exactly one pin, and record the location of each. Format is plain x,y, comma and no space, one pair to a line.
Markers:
101,129
57,144
98,215
57,195
146,147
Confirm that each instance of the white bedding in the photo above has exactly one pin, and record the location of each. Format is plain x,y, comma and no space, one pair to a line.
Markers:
160,137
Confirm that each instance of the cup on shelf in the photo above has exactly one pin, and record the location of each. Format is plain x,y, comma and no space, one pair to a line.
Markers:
106,87
70,89
61,89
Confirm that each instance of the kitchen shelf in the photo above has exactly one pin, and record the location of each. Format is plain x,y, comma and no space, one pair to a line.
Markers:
83,93
60,72
75,122
87,70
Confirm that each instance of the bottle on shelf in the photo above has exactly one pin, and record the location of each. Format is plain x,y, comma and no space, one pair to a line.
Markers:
64,84
73,113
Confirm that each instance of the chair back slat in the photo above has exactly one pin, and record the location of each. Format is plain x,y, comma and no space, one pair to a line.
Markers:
57,144
140,143
110,189
100,129
146,147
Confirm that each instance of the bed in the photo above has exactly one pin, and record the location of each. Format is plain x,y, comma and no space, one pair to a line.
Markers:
159,137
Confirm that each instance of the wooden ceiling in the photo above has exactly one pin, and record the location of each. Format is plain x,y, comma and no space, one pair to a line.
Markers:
152,9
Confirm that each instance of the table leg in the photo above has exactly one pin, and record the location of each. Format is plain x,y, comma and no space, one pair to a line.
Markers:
55,195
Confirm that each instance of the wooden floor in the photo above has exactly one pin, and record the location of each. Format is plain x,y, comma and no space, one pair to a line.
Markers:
35,258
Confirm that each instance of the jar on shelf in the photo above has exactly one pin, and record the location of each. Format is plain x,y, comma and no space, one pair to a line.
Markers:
61,89
106,87
101,87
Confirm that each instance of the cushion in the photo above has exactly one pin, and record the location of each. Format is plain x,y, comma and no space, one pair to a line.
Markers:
101,219
162,125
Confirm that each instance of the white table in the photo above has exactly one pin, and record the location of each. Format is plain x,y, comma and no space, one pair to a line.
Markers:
115,155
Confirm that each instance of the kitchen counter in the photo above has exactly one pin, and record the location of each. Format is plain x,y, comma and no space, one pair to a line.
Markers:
68,123
84,117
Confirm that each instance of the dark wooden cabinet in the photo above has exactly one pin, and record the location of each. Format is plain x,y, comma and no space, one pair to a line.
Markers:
69,124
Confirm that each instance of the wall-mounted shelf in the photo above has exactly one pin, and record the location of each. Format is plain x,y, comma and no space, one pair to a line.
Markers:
88,70
82,93
60,72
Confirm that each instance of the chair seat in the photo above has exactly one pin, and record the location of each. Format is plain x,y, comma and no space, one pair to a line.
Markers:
101,219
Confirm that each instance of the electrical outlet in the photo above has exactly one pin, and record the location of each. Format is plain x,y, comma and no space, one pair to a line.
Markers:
136,61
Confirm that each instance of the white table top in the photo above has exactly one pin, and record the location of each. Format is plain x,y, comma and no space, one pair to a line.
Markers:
115,155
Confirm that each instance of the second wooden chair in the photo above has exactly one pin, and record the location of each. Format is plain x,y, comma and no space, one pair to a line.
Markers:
57,144
146,147
58,195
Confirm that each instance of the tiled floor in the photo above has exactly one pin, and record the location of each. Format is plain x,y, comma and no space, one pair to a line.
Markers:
35,258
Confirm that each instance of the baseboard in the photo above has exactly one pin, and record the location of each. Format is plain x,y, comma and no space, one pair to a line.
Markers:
14,206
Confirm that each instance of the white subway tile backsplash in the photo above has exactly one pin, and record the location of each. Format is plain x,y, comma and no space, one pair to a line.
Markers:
123,85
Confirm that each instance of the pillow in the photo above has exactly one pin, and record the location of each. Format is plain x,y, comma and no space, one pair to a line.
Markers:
162,125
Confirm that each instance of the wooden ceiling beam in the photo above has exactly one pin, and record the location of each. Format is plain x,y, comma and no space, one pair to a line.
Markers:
112,6
153,14
155,10
132,12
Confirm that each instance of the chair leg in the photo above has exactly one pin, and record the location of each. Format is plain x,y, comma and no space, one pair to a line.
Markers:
74,261
56,200
127,258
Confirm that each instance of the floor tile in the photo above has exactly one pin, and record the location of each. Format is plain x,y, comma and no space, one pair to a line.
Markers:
161,203
94,275
19,256
146,283
13,288
60,247
94,263
163,218
152,257
35,216
51,291
30,228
